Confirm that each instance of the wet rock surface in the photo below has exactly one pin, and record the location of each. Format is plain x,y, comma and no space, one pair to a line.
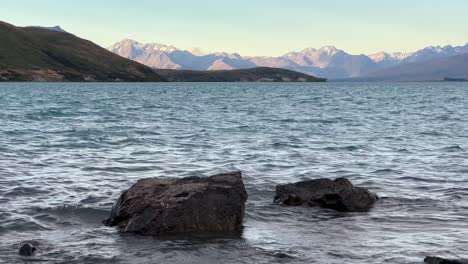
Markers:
339,194
166,206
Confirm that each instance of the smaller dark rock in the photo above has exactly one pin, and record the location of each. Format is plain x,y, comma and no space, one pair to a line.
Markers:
27,249
437,260
339,194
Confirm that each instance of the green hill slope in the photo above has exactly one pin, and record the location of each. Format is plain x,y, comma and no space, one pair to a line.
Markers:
36,54
261,74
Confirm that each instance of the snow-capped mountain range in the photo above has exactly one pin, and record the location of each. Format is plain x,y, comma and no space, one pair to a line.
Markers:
328,62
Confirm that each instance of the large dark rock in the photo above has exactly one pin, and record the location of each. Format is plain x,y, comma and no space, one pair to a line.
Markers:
339,194
162,206
437,260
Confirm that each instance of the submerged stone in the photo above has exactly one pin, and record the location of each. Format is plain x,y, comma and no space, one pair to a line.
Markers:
164,206
339,194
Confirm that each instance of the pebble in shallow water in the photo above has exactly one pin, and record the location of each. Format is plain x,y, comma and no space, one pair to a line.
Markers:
27,249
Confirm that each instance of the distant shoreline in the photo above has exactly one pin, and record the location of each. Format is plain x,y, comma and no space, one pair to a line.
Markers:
258,74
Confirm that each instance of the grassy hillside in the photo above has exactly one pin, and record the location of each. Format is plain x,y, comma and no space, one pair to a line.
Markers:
262,74
36,54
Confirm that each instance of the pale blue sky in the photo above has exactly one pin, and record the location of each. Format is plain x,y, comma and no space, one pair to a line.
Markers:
254,27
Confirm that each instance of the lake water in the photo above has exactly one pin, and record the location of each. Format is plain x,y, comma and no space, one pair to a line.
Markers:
68,150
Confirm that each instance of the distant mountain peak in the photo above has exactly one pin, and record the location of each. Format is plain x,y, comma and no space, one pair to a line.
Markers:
161,47
329,49
325,50
127,40
438,49
55,28
308,50
385,56
130,43
228,55
197,51
220,64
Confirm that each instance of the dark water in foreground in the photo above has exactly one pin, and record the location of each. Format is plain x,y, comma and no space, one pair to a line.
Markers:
67,150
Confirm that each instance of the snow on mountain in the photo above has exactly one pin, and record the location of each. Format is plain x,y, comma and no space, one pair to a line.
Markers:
435,52
333,62
320,58
384,56
132,49
328,62
169,57
429,53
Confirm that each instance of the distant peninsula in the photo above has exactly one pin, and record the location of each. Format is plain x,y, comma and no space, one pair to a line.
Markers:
449,79
259,74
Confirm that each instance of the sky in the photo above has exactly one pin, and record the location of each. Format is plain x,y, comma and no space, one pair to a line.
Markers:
254,27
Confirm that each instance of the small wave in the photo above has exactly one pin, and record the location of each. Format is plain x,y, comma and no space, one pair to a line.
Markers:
347,148
22,223
461,170
25,191
388,171
88,214
121,169
285,145
75,145
421,179
344,255
321,121
147,132
191,136
288,120
454,148
406,200
48,114
403,150
123,142
402,204
97,259
432,133
456,192
18,132
91,199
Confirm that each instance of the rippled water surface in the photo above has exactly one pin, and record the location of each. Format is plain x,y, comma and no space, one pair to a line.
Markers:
68,150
